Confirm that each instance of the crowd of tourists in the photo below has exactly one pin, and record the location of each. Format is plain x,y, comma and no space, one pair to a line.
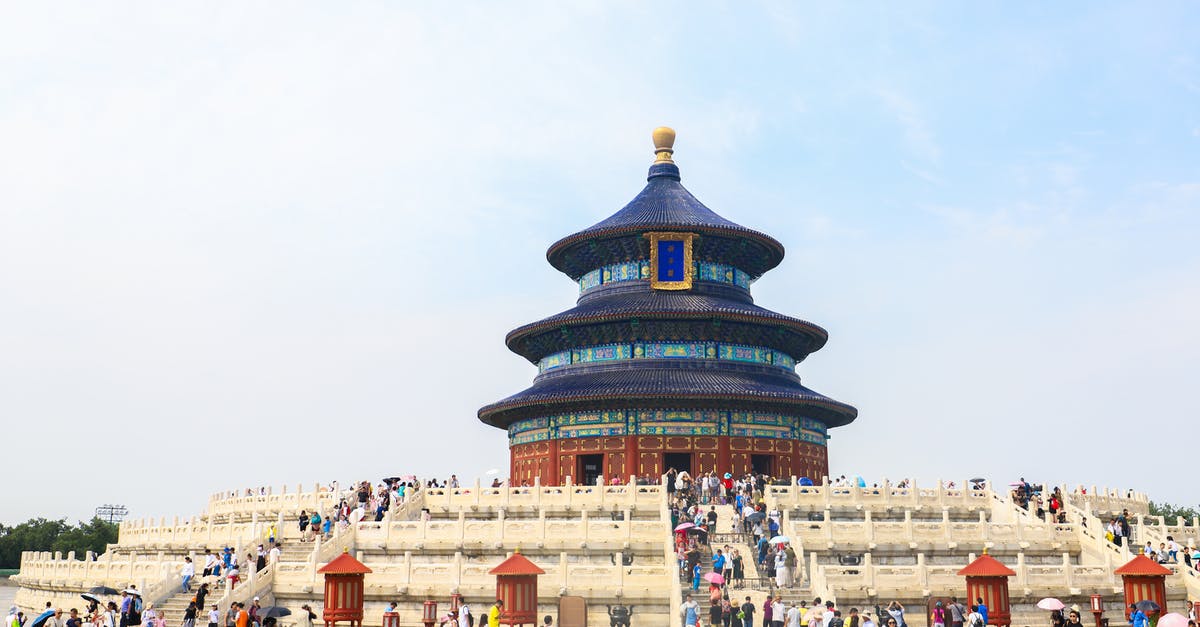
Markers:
694,518
129,611
777,612
1034,499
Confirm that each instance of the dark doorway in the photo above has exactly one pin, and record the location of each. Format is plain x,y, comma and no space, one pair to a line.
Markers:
761,465
591,468
679,461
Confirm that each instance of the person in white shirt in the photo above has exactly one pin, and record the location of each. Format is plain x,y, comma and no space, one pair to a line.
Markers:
189,571
793,616
464,615
273,557
778,611
214,616
783,578
210,561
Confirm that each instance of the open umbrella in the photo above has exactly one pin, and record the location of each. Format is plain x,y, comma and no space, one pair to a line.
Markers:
697,530
805,481
728,476
41,619
756,517
105,590
1174,619
716,578
274,611
978,480
1147,606
780,540
684,526
132,591
1050,604
87,596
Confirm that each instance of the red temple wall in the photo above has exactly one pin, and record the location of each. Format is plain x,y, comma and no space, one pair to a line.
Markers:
554,460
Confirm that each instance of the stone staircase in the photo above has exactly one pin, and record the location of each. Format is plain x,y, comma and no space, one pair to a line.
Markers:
758,586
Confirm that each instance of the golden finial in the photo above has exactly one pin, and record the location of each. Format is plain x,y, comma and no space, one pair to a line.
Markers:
664,140
985,550
345,549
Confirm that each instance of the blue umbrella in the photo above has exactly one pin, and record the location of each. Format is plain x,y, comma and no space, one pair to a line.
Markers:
805,481
861,483
37,622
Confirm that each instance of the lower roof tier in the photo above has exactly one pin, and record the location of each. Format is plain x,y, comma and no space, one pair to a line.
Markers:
668,385
664,316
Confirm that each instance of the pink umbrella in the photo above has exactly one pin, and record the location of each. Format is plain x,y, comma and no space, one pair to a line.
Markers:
1052,604
1173,619
718,579
684,526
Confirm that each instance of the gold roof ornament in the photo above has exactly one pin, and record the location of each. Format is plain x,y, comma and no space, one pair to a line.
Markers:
664,142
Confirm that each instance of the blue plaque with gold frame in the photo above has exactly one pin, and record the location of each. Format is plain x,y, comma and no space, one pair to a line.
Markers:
671,266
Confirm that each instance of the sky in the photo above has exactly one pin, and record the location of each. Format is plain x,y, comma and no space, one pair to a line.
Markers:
249,244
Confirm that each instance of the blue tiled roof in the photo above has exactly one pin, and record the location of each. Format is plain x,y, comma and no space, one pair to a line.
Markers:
663,205
682,384
681,305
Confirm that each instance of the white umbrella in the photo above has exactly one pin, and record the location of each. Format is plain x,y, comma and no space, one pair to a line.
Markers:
780,540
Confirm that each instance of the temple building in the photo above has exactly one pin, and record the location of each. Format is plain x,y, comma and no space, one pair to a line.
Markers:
665,361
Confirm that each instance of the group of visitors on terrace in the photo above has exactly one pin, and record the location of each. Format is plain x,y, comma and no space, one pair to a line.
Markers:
129,611
1033,498
777,612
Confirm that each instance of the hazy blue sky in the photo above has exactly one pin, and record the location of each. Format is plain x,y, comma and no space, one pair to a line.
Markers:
283,242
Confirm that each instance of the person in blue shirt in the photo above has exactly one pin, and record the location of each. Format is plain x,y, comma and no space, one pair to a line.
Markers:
719,562
762,549
982,609
1137,618
695,578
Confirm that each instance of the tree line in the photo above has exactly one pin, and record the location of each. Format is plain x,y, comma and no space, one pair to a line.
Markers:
1170,511
40,534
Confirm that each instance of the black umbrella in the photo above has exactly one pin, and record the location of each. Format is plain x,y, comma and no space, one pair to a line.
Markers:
756,517
105,590
978,480
1147,607
87,596
274,611
697,530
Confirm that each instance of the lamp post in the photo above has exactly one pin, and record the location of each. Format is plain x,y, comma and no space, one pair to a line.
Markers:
1098,608
429,613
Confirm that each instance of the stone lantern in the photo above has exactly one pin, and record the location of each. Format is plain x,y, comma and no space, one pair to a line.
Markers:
987,579
344,590
1144,580
516,586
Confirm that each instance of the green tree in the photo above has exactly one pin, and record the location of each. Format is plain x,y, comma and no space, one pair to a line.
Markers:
40,534
1171,511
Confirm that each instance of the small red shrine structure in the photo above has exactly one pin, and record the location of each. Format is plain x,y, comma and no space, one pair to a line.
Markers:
987,579
516,586
344,590
1145,580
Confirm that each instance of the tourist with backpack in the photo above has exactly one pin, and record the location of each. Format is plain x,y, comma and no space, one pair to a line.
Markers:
975,619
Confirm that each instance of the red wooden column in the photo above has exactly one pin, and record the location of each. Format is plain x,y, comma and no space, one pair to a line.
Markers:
631,457
987,579
344,590
1144,580
552,477
724,456
516,586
